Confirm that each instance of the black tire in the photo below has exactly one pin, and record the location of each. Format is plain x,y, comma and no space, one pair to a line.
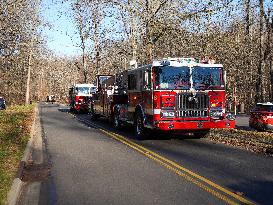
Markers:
116,121
139,126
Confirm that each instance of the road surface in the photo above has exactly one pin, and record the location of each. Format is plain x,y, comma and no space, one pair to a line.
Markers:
242,122
94,164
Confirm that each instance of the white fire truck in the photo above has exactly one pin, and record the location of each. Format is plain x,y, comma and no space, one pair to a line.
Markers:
79,97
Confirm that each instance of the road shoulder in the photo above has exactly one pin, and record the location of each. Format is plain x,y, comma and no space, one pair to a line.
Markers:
24,192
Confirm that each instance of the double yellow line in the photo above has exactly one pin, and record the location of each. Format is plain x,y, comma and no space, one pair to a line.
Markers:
209,186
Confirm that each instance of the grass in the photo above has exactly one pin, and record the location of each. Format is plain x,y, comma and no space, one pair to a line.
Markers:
15,126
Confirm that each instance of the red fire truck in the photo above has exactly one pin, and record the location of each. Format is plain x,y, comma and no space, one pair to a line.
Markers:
175,94
79,97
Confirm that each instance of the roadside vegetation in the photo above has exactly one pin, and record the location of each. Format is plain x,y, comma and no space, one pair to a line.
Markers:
15,126
238,34
254,141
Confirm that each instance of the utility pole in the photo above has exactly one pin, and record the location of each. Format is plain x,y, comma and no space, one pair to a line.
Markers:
29,71
30,58
259,83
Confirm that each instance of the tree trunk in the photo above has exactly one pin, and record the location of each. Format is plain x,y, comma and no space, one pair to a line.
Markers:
247,17
82,36
28,77
248,43
96,41
271,77
271,59
84,63
148,45
259,89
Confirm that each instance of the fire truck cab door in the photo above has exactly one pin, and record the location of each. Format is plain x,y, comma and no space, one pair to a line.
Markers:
147,91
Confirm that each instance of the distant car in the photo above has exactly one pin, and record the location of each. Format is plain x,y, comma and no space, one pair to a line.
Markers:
261,117
50,98
2,104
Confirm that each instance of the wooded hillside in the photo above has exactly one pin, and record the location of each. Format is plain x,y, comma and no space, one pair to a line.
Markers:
238,34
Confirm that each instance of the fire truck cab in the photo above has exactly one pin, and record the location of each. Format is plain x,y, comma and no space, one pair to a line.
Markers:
175,94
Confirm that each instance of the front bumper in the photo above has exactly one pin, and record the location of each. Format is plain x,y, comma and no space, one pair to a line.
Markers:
81,107
193,125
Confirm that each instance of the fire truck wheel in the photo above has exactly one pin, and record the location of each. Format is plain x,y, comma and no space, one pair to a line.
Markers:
116,120
139,126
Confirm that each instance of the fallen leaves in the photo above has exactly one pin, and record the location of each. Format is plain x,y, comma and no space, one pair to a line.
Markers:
258,142
15,126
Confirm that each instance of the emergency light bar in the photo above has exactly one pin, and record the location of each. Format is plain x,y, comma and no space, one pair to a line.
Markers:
187,60
266,103
177,62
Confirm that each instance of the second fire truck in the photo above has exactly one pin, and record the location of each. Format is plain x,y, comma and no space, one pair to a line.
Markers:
79,97
176,94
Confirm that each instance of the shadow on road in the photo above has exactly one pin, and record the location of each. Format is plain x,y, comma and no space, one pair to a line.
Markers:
128,130
256,190
64,109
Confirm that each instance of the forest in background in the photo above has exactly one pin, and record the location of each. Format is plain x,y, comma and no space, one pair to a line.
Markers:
238,34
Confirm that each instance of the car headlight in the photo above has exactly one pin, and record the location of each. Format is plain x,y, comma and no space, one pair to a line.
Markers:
167,114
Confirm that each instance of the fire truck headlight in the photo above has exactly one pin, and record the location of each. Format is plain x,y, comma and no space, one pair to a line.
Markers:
167,113
216,114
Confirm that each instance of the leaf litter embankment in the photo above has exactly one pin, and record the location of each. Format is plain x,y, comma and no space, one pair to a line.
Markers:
258,142
15,127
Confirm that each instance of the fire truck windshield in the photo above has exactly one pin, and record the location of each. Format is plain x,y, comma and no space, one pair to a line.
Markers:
207,78
83,90
170,78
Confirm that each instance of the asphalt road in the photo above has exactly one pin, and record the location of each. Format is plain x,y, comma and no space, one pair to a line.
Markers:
93,165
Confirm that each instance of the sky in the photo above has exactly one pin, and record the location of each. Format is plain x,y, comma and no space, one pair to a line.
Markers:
60,33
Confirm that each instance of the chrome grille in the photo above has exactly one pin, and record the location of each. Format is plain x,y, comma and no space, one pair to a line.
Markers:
189,106
192,113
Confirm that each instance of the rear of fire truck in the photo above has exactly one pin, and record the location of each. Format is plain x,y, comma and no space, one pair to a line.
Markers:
189,96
